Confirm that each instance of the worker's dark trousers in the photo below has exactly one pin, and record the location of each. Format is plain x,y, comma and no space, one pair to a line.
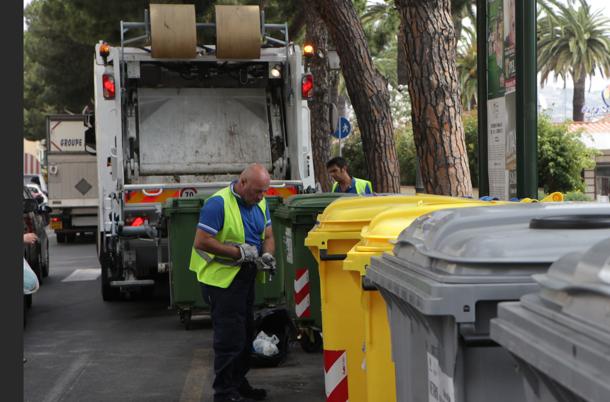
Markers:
232,321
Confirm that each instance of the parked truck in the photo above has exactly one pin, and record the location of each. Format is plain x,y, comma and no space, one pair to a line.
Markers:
72,177
170,126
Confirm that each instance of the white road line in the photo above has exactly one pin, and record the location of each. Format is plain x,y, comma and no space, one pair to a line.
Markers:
67,379
198,378
84,274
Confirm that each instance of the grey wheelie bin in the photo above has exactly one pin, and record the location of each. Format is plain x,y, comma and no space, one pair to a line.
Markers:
442,283
560,337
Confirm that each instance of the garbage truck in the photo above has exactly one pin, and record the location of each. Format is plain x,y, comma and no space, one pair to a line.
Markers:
72,173
178,118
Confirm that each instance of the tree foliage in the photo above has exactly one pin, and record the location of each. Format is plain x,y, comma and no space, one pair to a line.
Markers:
561,157
573,42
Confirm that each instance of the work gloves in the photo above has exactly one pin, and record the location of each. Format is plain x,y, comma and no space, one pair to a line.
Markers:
249,253
268,262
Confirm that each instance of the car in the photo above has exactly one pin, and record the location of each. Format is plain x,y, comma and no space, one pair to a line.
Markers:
38,193
36,179
34,221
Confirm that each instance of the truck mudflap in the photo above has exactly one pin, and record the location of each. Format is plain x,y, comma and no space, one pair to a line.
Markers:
159,193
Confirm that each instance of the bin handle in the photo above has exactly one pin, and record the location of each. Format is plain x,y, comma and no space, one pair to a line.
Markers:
472,339
367,284
571,222
324,256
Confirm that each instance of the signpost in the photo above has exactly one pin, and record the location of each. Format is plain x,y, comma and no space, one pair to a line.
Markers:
342,131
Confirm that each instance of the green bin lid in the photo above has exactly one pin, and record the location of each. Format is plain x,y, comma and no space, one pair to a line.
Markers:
273,201
182,205
307,204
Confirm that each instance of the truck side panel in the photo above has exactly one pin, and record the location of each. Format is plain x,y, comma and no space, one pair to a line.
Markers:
72,180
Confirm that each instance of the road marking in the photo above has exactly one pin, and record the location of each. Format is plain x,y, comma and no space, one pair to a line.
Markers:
85,274
68,379
198,377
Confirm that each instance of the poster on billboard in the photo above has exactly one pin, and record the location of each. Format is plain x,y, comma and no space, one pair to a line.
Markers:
501,99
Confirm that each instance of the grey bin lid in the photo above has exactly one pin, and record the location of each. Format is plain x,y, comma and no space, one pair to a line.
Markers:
447,261
504,234
564,329
578,285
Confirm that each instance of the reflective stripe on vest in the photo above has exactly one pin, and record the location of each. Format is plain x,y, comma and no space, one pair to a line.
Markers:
210,269
360,186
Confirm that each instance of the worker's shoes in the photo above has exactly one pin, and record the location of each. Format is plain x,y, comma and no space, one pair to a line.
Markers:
256,394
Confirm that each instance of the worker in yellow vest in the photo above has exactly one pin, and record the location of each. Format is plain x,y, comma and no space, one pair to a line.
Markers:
344,183
233,235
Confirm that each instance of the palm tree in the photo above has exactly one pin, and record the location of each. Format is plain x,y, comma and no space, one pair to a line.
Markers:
573,42
467,66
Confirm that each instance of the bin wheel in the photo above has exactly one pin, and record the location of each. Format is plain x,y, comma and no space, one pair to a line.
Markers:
311,341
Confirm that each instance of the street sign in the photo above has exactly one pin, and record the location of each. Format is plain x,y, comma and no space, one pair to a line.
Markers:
188,192
344,128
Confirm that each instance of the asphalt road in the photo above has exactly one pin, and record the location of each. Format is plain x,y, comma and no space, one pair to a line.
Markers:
80,348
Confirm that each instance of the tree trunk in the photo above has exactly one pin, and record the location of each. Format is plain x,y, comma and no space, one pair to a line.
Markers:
367,90
578,99
401,57
434,89
317,35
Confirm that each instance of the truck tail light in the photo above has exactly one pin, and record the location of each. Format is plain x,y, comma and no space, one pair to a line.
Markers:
135,221
108,84
307,86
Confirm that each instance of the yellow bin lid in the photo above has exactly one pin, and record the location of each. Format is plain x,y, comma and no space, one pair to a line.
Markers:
344,218
378,236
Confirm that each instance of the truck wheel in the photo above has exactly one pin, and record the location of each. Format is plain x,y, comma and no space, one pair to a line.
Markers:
61,237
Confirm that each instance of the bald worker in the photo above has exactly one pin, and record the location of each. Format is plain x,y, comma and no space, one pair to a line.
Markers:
233,232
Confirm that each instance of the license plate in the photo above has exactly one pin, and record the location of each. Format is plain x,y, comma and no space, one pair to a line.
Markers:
56,225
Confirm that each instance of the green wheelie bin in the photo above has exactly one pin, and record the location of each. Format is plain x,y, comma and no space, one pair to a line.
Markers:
291,223
182,215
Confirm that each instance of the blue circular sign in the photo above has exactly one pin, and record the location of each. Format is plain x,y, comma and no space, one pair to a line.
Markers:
345,128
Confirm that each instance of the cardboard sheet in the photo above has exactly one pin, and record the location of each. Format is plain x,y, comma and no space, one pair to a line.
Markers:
173,31
238,32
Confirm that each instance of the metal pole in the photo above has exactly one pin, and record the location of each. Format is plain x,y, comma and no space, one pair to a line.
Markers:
527,108
482,96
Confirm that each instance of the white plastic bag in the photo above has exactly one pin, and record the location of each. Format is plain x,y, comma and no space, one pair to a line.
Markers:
30,280
265,344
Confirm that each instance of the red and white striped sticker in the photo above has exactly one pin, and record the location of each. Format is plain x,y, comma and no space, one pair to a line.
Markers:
335,375
301,293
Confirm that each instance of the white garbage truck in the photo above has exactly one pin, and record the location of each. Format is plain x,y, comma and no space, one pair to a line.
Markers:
170,125
72,177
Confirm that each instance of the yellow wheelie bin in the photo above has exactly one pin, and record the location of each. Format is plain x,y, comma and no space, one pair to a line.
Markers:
376,238
337,231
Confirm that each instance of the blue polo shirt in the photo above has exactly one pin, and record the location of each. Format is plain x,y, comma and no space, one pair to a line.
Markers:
212,217
352,188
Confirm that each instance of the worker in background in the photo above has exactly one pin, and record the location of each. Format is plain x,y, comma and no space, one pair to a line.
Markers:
233,235
344,183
